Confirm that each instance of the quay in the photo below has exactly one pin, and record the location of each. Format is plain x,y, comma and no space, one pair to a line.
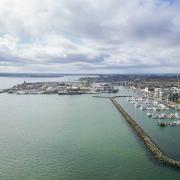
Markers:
149,143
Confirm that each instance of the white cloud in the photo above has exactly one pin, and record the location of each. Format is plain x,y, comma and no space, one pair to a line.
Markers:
89,36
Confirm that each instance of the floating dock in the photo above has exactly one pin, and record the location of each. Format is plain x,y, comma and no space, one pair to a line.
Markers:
149,143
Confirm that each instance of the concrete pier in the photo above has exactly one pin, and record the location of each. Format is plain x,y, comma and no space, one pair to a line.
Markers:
152,146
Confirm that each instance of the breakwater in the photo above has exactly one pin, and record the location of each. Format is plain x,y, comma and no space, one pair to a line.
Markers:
149,143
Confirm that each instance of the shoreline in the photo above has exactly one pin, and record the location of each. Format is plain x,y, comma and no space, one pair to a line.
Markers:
149,143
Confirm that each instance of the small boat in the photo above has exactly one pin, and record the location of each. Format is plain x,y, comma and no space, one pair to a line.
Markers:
177,116
155,116
149,114
162,124
155,109
162,116
143,108
137,105
171,116
173,123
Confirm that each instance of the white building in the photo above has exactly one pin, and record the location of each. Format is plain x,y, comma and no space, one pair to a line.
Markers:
175,90
158,93
146,89
132,87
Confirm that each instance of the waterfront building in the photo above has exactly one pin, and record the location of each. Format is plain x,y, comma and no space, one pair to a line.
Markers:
103,87
175,90
146,89
173,97
133,87
158,93
165,94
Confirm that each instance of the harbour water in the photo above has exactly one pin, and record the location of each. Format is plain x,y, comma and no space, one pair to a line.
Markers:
77,138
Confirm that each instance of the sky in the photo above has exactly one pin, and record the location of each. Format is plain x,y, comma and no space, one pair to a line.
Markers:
90,36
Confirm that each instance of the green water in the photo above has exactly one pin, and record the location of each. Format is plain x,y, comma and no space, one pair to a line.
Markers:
71,138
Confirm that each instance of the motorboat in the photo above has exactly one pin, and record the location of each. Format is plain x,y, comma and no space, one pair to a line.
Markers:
162,116
149,114
162,124
155,116
177,116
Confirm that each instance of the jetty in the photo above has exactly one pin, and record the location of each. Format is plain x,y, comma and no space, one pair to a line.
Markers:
149,143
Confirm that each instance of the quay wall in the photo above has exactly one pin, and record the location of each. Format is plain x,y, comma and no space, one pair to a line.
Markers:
149,143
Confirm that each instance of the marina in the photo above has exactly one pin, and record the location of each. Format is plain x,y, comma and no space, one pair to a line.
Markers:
156,110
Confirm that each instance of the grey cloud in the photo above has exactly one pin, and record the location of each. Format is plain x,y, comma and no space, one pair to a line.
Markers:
90,34
75,58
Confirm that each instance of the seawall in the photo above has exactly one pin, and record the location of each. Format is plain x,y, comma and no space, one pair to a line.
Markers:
152,146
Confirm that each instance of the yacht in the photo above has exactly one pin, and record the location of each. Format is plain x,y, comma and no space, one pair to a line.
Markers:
149,114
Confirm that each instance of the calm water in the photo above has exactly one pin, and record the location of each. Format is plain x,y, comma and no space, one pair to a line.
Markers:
73,138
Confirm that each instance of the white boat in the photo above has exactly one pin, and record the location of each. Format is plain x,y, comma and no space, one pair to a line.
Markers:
162,116
137,105
177,116
149,114
155,116
155,108
172,116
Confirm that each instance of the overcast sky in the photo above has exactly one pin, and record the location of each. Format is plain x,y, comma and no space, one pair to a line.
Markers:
90,36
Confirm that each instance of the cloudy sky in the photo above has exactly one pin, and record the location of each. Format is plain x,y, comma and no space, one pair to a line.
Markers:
90,36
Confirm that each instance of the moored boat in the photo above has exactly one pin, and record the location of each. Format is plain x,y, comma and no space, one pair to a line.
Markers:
149,114
162,124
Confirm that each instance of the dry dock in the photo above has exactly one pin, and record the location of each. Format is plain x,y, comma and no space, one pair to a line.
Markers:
150,144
